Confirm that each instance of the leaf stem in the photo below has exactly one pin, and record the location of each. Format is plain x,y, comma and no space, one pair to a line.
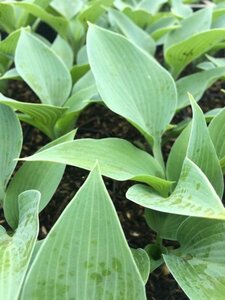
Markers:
157,152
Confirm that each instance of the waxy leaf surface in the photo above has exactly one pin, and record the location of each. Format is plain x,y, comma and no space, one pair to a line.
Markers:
117,158
11,143
131,83
49,77
16,250
199,264
85,255
195,143
193,196
44,117
42,176
217,134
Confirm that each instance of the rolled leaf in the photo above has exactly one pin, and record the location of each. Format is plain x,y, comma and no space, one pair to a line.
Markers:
193,196
11,144
196,144
16,250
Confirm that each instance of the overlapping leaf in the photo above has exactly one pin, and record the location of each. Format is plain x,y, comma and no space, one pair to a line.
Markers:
11,143
82,258
196,84
118,159
199,149
35,176
134,33
199,265
16,250
44,117
49,78
193,39
217,134
193,196
131,83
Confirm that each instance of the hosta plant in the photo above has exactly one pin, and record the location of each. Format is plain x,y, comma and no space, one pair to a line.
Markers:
183,197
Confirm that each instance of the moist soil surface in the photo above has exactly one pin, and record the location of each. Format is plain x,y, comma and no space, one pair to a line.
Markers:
97,121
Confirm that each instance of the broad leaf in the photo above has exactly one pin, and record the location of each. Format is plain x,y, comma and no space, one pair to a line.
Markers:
49,78
193,196
11,143
16,250
94,260
199,149
199,265
134,33
35,176
44,117
196,84
117,158
131,83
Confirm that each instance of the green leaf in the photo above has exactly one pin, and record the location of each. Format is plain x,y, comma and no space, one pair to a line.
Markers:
84,92
16,250
196,84
164,224
78,71
35,176
7,17
44,117
49,78
93,10
134,33
178,56
59,24
199,265
131,83
143,262
8,45
11,74
11,144
155,255
196,144
63,50
217,133
179,9
93,260
117,158
193,39
193,196
198,22
67,8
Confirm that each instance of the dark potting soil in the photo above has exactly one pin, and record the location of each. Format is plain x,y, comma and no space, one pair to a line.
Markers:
98,122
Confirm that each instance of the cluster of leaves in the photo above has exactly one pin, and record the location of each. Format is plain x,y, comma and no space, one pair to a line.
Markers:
112,61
